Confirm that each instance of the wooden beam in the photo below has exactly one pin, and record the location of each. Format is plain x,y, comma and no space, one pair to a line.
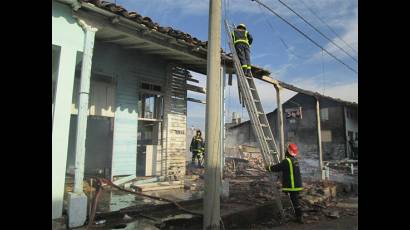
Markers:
124,180
159,186
196,100
300,90
192,79
195,88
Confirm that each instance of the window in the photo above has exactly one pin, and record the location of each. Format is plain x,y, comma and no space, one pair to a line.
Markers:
150,103
152,87
150,106
326,135
324,114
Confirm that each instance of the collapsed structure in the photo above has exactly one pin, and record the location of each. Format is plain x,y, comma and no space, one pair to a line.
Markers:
338,126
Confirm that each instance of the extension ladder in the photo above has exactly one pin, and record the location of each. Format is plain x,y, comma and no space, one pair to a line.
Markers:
250,97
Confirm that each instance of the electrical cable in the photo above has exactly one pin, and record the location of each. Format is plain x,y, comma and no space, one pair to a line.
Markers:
317,30
306,36
327,25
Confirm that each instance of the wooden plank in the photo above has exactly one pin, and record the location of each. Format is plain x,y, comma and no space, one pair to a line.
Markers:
193,80
159,186
196,100
195,88
124,180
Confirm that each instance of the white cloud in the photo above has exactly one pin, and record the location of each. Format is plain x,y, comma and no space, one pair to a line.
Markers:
345,91
349,26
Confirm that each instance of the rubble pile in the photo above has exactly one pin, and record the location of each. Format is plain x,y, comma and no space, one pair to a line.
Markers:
253,191
244,161
319,200
250,183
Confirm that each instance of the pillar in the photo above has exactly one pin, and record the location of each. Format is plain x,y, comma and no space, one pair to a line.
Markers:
77,201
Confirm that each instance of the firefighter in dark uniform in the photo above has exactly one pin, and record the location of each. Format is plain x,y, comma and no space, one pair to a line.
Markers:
242,40
197,148
291,178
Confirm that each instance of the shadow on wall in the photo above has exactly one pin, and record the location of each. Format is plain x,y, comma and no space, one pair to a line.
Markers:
99,144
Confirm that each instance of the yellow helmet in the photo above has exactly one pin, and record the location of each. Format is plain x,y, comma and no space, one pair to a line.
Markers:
241,25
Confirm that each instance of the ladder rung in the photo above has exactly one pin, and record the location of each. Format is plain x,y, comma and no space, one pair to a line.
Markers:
273,151
268,138
248,77
258,101
264,125
260,112
252,88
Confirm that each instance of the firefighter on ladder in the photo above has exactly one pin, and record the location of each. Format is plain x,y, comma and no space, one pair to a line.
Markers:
197,148
242,40
291,178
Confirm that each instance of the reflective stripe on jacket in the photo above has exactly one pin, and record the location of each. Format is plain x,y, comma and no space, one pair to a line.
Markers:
197,144
291,177
241,36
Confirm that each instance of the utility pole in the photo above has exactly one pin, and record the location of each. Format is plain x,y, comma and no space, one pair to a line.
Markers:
280,121
213,120
319,138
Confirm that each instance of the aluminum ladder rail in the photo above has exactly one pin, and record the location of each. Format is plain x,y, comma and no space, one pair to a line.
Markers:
253,104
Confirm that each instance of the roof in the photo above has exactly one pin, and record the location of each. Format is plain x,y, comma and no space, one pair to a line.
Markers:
148,22
319,96
346,103
193,44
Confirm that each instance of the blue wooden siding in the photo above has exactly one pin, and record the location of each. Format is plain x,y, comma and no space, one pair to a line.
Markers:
124,159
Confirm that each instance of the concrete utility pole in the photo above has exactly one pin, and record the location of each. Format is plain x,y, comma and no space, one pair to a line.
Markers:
213,120
280,122
319,138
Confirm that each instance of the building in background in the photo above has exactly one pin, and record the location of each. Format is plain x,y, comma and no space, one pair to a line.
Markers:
339,124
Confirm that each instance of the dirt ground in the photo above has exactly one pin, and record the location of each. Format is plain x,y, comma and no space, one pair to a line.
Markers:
326,204
344,223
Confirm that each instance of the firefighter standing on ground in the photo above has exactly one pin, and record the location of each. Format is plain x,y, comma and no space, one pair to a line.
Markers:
197,148
291,178
242,40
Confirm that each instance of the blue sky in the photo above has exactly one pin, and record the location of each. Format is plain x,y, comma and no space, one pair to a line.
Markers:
300,63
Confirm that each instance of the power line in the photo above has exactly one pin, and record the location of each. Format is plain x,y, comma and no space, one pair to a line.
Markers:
317,30
280,38
327,25
306,36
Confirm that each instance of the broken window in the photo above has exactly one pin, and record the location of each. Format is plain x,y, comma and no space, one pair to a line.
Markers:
150,103
150,106
324,114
